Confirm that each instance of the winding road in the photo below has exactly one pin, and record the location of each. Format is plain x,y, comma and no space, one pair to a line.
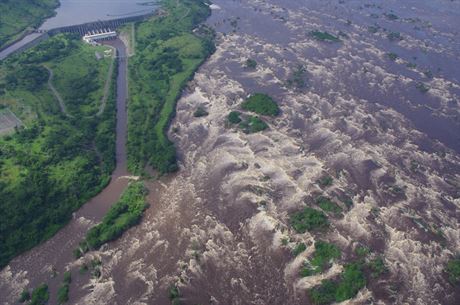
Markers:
103,103
55,256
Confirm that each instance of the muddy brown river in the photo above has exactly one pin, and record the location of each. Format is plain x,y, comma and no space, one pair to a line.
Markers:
219,229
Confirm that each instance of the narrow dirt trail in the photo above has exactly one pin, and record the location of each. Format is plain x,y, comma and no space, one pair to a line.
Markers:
107,84
47,262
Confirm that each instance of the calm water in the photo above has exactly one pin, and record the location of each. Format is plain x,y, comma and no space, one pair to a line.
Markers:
73,12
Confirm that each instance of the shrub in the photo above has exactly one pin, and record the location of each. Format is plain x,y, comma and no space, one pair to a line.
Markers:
253,124
308,219
324,36
234,117
63,294
328,205
67,277
299,248
453,271
251,63
377,267
392,56
325,181
422,87
351,281
261,104
174,292
40,295
200,112
25,296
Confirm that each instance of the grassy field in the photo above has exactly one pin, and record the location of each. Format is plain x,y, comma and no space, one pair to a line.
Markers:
167,55
19,15
57,163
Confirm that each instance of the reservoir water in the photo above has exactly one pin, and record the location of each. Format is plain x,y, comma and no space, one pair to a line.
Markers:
74,12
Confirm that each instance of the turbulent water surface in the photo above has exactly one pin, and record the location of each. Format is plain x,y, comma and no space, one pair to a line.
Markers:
216,227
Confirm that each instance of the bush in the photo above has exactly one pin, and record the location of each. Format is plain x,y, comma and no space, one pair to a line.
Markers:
351,281
67,277
308,219
261,104
253,124
324,253
251,63
200,112
325,181
377,267
121,216
299,248
63,294
234,117
40,295
392,56
324,36
453,271
25,296
174,292
328,205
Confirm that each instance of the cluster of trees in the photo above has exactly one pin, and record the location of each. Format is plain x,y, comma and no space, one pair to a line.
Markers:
322,257
52,49
50,168
351,280
124,214
261,104
308,219
167,57
28,77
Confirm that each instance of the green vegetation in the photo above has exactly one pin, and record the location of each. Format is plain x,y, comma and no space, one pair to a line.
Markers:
122,215
168,52
391,16
327,205
19,16
298,78
49,169
261,104
200,112
377,267
325,181
174,294
423,88
392,56
40,295
393,36
234,117
453,271
253,124
63,292
251,63
346,287
299,248
25,296
324,36
308,219
362,251
323,255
